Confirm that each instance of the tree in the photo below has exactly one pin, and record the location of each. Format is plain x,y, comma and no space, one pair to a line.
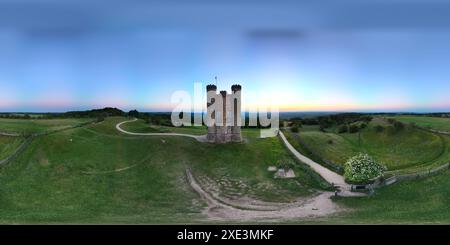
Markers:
324,122
322,127
412,125
353,129
156,120
398,126
391,120
363,126
133,113
343,128
310,121
294,128
101,117
367,119
146,117
362,169
107,111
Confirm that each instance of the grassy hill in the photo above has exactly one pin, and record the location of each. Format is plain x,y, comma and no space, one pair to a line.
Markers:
398,150
428,122
141,127
96,174
424,201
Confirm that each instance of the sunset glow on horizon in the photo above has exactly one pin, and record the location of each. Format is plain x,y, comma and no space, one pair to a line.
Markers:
78,55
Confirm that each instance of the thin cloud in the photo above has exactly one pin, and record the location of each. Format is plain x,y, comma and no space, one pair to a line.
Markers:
289,34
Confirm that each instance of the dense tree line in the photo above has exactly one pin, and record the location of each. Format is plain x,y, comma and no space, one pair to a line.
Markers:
105,112
155,118
434,114
20,116
345,122
100,114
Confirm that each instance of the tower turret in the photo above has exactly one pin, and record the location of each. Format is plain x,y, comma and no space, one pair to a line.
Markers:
236,87
211,87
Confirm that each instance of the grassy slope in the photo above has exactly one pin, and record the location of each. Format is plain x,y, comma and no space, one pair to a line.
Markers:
141,127
420,201
411,202
337,151
406,148
431,122
8,144
49,181
409,148
37,125
46,183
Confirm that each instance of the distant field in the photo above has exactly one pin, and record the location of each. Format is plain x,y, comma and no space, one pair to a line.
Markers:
429,122
408,148
37,125
96,174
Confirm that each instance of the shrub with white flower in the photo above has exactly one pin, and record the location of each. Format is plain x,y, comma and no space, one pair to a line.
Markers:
362,169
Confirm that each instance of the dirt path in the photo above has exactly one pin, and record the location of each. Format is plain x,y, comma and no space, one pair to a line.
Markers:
330,176
250,210
201,138
9,134
109,171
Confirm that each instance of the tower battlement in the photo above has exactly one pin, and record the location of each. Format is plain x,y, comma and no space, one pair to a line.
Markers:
225,112
236,87
211,87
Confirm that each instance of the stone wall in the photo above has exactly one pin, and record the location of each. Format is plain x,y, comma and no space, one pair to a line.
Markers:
225,112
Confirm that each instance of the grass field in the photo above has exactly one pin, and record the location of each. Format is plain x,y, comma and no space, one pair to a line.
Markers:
424,201
8,144
141,127
428,122
402,150
96,174
29,126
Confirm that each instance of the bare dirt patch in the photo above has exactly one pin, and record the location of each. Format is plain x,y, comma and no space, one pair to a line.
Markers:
249,209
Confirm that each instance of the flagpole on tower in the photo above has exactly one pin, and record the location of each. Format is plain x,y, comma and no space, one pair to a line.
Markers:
215,78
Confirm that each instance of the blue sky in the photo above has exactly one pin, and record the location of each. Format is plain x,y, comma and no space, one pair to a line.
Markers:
314,55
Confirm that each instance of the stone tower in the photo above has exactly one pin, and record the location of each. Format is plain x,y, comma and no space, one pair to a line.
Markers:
224,110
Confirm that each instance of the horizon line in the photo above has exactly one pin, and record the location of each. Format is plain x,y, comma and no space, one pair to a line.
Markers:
244,112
